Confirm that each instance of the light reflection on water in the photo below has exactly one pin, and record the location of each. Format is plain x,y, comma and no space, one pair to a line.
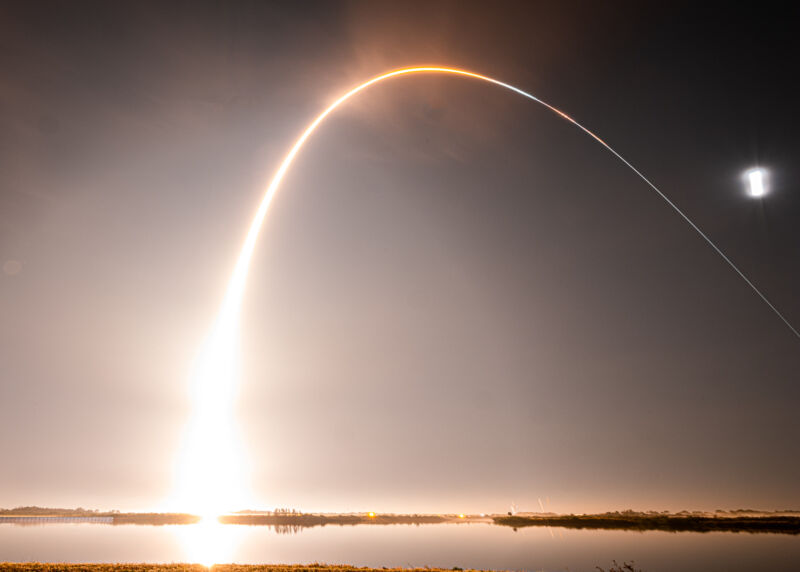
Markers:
441,545
207,542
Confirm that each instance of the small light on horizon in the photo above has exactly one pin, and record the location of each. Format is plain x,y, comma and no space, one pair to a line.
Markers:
756,177
371,514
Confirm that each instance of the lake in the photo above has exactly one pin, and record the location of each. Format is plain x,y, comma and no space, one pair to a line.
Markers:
466,545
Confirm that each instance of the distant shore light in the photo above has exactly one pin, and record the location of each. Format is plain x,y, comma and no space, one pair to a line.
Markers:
757,181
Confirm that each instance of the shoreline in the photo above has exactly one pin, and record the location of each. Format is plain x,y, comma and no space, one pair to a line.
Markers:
779,522
665,523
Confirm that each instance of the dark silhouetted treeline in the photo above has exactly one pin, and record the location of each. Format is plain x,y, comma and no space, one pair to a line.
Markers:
630,520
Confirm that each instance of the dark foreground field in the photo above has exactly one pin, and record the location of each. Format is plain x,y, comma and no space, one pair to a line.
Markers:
44,567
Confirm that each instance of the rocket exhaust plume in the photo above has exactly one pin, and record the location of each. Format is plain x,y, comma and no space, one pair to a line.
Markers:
210,474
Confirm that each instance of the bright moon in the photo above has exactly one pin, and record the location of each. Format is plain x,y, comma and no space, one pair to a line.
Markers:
756,179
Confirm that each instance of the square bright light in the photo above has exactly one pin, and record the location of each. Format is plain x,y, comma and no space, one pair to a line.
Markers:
757,183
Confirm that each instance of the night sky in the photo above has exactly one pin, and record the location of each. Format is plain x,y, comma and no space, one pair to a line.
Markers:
458,300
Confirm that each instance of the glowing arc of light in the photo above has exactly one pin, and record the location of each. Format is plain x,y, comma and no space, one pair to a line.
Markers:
215,375
235,291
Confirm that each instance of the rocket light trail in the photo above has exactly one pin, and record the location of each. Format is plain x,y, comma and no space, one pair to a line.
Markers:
236,288
210,473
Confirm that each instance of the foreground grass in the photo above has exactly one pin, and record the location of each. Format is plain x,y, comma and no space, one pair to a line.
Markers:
45,567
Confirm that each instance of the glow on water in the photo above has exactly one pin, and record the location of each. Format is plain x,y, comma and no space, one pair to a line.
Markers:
481,546
209,542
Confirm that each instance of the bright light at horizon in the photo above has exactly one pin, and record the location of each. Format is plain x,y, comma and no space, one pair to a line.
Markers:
756,178
212,468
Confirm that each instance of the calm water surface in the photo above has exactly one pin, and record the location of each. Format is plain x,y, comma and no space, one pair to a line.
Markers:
440,545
